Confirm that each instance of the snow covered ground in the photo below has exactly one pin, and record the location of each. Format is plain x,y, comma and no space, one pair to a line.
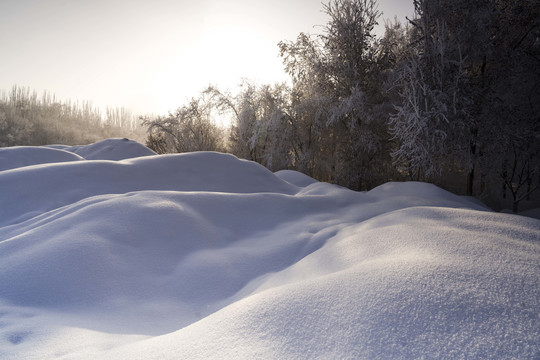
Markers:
110,252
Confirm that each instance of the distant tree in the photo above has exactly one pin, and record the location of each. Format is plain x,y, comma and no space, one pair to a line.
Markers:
26,119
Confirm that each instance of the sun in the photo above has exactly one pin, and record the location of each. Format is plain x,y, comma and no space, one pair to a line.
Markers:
220,56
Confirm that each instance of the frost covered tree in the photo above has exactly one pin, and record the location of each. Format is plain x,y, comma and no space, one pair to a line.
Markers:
431,119
260,123
350,48
241,110
311,99
453,96
511,84
190,128
470,83
338,75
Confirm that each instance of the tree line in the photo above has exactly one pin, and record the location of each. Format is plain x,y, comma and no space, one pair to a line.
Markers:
450,97
29,119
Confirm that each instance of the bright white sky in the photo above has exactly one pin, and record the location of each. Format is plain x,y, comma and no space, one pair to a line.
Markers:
150,56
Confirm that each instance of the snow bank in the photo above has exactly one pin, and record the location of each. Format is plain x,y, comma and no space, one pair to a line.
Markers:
20,156
62,184
410,294
111,149
295,177
204,256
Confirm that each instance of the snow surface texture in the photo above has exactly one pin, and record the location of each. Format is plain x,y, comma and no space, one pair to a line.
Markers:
205,256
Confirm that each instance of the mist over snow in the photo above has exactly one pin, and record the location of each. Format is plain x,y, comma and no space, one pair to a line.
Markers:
108,251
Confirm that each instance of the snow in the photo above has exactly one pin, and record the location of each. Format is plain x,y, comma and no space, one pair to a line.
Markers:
111,149
20,156
203,255
295,177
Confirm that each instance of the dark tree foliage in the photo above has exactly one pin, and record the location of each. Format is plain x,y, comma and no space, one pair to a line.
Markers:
470,95
339,78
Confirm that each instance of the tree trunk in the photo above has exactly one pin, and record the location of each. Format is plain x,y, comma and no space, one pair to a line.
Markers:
470,182
470,176
515,205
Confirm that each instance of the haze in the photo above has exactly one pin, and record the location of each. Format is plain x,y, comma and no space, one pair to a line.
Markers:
151,56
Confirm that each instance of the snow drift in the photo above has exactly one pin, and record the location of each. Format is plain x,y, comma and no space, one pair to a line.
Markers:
111,149
203,255
20,156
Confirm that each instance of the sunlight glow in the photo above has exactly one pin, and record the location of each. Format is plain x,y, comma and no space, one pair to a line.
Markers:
149,56
219,56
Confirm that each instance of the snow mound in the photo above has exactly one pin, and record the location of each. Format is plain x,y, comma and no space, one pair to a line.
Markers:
421,194
111,149
22,197
20,156
205,256
295,177
57,146
410,294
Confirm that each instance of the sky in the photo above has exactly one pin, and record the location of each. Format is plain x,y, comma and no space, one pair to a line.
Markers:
150,56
